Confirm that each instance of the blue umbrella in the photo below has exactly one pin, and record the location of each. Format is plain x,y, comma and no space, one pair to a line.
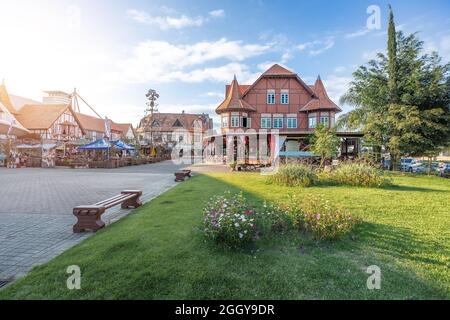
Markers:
119,144
100,144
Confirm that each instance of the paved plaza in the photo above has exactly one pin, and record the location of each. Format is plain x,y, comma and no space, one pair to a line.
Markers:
36,207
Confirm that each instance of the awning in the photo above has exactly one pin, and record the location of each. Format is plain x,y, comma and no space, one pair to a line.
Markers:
119,144
100,144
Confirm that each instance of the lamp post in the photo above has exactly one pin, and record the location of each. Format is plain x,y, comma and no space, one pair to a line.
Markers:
152,107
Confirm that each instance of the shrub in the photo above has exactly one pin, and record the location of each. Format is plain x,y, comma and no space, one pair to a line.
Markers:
293,175
358,174
229,221
273,217
319,217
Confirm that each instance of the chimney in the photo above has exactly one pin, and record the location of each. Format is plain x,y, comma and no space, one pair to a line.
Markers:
56,97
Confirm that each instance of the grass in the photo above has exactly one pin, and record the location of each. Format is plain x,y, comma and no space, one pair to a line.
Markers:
158,252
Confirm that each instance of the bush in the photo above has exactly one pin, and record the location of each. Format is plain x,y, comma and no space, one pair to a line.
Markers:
358,174
293,175
319,217
273,217
229,221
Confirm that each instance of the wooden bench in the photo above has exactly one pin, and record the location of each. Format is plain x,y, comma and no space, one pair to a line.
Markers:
181,175
89,216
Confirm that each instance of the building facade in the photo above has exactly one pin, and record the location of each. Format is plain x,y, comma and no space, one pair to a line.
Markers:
173,128
280,100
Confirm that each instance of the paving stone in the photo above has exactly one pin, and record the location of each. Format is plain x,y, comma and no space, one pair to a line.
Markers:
36,207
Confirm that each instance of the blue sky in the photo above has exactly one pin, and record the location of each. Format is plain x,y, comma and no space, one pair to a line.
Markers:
113,51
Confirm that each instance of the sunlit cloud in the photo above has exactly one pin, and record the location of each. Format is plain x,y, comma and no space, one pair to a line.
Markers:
172,20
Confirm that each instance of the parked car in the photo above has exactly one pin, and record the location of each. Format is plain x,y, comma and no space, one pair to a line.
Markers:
407,163
423,167
444,169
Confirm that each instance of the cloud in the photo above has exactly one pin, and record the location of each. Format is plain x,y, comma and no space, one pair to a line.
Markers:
358,33
172,21
220,13
440,45
316,47
213,94
161,61
336,86
340,69
326,45
165,22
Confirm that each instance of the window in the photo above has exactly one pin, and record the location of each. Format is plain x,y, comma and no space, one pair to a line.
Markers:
284,97
270,96
265,123
246,122
234,121
312,121
324,120
278,123
225,121
292,123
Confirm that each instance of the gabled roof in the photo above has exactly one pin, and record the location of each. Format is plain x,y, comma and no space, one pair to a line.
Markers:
5,100
42,116
242,88
278,71
167,121
233,101
322,102
91,123
5,123
18,102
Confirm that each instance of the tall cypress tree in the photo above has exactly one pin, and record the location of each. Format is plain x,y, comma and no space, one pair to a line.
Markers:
392,59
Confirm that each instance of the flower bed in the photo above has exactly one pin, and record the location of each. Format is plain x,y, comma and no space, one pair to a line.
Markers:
229,220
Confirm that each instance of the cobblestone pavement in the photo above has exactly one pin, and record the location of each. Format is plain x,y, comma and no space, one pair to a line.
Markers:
36,207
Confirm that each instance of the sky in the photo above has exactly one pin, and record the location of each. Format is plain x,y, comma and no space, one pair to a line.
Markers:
114,51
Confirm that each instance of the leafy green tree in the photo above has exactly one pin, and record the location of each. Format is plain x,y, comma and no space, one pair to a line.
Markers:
401,100
325,143
392,58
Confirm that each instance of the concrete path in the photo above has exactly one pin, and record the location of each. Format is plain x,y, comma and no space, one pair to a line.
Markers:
36,207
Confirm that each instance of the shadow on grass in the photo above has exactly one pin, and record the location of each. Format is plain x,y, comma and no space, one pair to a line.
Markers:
411,188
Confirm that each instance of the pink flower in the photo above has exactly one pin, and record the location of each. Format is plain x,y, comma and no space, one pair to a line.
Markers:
318,216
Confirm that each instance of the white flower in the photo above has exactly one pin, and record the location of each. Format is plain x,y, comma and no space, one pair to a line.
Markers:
245,231
240,235
236,225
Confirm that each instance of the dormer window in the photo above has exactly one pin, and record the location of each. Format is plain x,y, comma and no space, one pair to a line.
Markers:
284,97
270,96
177,123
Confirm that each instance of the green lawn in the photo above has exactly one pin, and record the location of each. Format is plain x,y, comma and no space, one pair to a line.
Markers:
158,252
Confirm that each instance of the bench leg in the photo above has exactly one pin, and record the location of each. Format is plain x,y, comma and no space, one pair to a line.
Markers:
179,177
88,219
133,202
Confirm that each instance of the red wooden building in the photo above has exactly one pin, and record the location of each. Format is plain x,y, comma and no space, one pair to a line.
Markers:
279,100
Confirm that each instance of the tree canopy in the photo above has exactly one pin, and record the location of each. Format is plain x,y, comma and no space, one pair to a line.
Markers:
401,100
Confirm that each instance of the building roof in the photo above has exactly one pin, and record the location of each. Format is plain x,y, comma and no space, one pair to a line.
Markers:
322,102
172,121
6,119
91,123
18,102
5,100
233,101
123,127
40,116
278,70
